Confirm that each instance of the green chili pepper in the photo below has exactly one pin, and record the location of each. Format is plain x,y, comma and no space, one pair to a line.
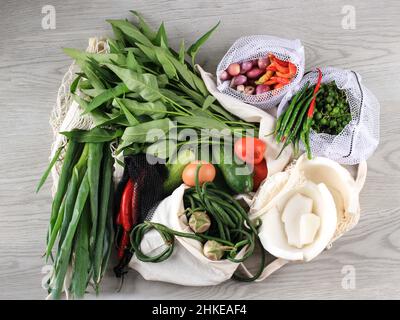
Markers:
288,112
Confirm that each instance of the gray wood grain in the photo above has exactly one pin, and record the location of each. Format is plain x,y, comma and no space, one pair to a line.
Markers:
32,65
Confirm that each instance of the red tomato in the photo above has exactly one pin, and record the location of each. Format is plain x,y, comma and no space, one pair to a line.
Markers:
260,173
250,150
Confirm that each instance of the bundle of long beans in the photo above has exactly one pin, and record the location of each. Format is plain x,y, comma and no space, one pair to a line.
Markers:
230,227
81,219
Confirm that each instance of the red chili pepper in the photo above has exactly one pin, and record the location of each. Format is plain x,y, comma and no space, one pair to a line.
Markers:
281,62
280,80
312,104
292,69
125,217
272,67
284,75
279,85
126,206
123,244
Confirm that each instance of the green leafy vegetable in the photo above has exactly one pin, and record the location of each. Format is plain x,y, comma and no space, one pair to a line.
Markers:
145,84
194,48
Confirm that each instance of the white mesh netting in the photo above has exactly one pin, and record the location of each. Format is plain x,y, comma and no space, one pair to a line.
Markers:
360,137
258,46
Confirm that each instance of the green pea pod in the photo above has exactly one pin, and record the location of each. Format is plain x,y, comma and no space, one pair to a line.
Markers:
104,212
95,154
64,257
65,175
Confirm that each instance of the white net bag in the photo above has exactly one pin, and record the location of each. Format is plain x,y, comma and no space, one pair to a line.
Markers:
360,137
255,47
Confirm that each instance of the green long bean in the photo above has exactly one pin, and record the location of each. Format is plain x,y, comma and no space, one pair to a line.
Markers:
104,213
65,174
64,257
95,154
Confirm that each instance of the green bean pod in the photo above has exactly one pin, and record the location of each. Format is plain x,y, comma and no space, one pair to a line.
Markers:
72,191
95,154
105,213
68,163
82,262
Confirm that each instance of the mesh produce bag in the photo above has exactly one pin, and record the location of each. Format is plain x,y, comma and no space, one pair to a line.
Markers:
360,137
258,46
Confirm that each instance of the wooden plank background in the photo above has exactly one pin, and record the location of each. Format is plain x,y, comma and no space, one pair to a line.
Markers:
31,68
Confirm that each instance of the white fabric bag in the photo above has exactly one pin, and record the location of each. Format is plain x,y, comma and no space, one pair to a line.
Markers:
187,265
258,46
360,137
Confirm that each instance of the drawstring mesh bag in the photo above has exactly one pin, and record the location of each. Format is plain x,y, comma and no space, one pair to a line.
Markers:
255,47
360,137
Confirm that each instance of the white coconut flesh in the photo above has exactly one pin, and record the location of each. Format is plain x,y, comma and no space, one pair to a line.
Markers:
301,224
338,180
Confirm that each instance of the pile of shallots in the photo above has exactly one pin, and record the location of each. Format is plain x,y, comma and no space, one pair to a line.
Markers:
259,75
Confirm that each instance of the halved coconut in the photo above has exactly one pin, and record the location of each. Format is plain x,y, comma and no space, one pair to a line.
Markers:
274,235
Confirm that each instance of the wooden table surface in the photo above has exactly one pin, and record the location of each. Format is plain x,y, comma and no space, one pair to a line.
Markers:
32,65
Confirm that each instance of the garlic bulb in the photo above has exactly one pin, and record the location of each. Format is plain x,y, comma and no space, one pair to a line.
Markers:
199,221
214,250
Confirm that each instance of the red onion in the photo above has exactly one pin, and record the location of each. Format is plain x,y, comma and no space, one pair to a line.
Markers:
233,69
254,73
245,66
263,63
262,88
224,76
240,79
